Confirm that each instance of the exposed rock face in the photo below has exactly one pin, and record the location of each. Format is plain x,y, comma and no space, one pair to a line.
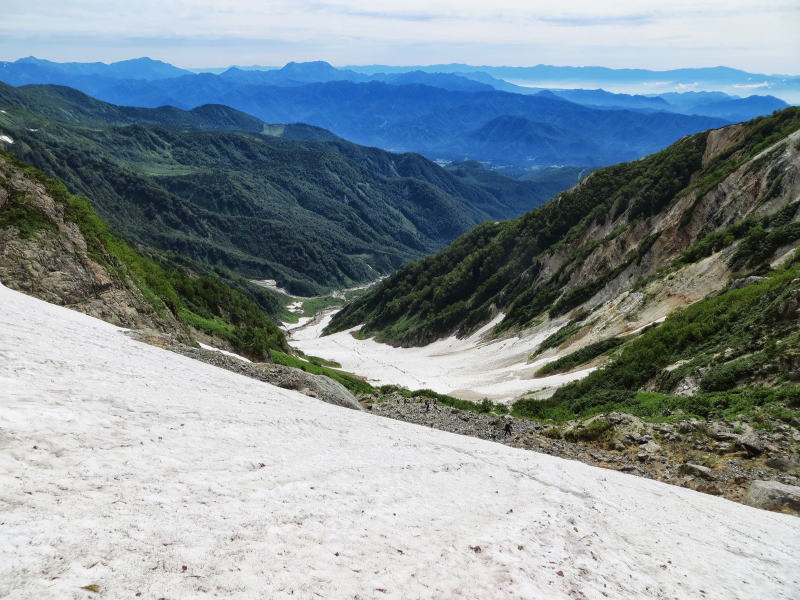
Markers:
744,193
697,471
773,495
51,260
316,386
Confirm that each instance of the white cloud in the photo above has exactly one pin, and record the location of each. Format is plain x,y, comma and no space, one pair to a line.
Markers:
628,33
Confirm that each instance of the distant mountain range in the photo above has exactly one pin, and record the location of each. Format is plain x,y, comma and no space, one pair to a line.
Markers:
292,203
451,116
697,79
455,116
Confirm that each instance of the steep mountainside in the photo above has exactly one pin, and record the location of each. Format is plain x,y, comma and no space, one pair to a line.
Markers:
294,203
54,247
594,278
593,242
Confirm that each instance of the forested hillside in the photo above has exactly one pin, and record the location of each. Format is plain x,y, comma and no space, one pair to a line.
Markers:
54,246
619,225
291,203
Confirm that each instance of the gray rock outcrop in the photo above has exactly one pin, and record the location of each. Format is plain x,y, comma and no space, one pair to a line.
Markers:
773,495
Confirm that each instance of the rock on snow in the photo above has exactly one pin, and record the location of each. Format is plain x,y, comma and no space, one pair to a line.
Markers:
137,470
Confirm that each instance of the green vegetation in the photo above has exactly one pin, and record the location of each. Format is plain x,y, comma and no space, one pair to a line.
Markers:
735,340
352,382
592,432
580,357
562,335
19,214
201,301
781,403
762,236
314,212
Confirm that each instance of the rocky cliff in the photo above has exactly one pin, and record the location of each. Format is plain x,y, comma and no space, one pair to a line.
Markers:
44,253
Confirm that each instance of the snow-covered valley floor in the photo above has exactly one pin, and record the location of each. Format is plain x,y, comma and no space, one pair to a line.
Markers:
151,475
468,368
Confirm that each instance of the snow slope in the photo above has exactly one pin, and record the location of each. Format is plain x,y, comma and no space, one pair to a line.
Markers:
468,368
143,472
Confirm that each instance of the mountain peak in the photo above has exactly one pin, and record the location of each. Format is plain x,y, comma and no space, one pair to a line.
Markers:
315,67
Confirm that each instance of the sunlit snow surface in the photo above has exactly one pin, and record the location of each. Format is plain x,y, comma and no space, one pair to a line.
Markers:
140,471
468,368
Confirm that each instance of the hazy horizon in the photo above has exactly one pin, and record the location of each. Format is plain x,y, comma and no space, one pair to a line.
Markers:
207,34
393,65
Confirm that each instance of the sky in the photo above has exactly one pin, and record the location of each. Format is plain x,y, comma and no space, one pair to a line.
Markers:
753,35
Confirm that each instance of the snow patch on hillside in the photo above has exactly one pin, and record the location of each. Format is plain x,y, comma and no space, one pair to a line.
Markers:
471,368
144,472
225,352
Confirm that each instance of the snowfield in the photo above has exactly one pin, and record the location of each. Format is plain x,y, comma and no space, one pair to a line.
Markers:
469,368
147,474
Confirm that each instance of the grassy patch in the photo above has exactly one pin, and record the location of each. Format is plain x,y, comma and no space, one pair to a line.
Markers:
579,357
19,212
595,431
562,335
747,402
352,382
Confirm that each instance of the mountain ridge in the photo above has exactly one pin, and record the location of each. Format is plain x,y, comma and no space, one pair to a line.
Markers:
235,198
557,246
433,120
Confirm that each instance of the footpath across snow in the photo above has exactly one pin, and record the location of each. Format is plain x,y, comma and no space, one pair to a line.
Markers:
147,474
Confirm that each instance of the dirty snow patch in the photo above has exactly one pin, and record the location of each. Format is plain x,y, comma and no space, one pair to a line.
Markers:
471,368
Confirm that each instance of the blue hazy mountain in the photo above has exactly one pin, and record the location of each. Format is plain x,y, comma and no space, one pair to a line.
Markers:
37,70
554,74
451,116
724,106
407,116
